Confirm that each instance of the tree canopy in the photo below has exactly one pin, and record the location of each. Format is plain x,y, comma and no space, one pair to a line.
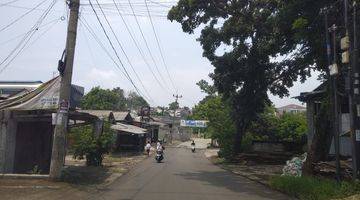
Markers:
115,99
256,46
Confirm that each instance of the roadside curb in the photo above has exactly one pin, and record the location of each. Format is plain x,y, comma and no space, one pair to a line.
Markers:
24,176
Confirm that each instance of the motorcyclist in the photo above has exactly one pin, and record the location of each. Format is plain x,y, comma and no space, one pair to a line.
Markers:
160,150
193,146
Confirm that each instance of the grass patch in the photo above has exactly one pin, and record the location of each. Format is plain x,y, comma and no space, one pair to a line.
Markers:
310,188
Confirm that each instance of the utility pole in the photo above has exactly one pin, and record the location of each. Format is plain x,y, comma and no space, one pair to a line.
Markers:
346,47
332,75
177,97
59,139
334,72
355,136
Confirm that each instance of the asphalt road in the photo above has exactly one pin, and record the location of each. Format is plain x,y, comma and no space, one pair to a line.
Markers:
184,176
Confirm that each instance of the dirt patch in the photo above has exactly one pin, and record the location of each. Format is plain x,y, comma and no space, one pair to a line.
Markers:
255,166
79,182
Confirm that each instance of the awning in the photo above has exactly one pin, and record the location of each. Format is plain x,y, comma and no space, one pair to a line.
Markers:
128,128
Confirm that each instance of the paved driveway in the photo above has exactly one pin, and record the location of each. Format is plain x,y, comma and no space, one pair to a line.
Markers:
184,176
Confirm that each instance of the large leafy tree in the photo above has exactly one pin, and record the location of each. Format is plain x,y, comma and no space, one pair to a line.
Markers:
135,101
104,99
256,46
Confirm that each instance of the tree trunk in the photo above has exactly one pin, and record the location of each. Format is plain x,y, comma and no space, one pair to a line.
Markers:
321,141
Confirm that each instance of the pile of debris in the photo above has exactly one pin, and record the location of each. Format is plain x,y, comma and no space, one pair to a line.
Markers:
293,167
328,169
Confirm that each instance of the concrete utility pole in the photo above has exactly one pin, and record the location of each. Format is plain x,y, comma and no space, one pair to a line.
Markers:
335,100
177,97
59,140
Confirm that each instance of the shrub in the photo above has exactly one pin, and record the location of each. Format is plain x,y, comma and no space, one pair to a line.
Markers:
310,188
86,145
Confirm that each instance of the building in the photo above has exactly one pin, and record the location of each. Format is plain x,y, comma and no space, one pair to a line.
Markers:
291,108
129,137
9,88
314,101
27,123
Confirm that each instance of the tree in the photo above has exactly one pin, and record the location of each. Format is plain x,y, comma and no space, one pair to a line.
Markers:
104,99
174,105
220,126
135,102
292,126
121,104
206,87
86,145
255,46
266,126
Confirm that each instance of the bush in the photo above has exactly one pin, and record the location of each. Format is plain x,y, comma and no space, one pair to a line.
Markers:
86,145
310,188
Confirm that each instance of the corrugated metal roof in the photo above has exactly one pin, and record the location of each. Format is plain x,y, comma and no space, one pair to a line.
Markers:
128,128
120,116
98,113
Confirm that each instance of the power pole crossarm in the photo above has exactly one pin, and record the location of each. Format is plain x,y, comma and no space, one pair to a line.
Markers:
59,140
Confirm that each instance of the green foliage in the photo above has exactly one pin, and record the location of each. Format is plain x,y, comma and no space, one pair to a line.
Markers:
206,88
292,127
220,126
135,102
35,170
105,99
254,33
174,105
266,126
310,188
86,145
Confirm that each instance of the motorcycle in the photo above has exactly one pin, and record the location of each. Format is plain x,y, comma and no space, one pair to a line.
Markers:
193,149
159,156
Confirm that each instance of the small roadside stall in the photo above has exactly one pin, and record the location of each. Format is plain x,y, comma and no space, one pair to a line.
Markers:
27,125
129,137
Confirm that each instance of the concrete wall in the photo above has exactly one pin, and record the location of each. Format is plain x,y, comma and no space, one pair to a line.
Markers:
8,127
268,147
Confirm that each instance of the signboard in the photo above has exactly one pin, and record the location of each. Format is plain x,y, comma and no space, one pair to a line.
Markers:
64,106
357,135
194,123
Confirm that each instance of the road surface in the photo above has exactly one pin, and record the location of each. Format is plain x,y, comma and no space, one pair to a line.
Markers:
184,176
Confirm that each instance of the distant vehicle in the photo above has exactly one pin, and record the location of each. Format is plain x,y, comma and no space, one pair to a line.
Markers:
159,156
193,149
193,146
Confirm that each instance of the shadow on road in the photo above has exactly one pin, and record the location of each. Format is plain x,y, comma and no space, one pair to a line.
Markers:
223,179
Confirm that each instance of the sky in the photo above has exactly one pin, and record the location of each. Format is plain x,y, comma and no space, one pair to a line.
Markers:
93,67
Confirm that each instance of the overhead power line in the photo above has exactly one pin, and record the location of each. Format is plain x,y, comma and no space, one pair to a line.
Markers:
138,46
26,39
99,42
8,3
125,72
146,44
90,13
159,47
123,50
18,36
22,16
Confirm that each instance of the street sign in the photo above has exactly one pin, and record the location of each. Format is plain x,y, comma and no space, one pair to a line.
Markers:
194,123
